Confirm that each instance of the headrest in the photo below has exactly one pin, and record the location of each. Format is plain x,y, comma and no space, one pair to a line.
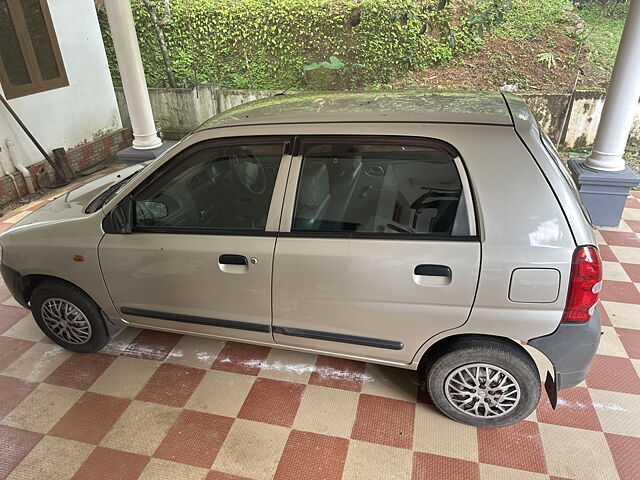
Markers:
314,186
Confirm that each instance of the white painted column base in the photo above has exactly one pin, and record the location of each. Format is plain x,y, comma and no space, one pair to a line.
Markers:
145,142
607,162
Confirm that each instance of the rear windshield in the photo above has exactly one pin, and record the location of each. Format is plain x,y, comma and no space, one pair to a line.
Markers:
563,170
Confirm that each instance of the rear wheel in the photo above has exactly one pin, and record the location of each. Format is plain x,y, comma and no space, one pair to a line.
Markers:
69,317
484,382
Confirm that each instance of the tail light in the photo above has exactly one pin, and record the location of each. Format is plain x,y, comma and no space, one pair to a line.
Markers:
584,285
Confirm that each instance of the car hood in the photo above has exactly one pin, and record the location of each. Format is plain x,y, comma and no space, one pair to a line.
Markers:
71,205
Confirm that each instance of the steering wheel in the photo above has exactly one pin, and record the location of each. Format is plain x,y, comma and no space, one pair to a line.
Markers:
250,172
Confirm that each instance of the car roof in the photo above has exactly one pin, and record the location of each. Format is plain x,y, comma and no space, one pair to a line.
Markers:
390,106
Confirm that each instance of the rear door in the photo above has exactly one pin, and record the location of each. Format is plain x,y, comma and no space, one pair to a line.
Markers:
378,248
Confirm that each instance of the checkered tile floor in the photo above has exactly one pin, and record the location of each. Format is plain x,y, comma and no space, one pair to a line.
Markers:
162,406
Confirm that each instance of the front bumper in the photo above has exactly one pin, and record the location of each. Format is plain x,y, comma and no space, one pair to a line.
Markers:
570,349
13,281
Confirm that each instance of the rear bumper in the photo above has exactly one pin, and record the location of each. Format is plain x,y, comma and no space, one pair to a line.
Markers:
13,280
570,349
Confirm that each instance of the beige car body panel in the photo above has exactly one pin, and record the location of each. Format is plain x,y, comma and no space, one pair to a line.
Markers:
502,174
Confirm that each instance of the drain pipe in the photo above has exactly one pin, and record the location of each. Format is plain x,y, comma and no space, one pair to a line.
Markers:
5,171
21,168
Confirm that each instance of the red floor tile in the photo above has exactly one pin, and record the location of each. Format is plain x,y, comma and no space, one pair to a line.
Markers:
195,439
574,409
623,292
171,385
427,466
108,464
630,338
632,203
625,452
12,392
518,446
9,316
385,421
215,475
272,401
634,224
310,455
90,418
633,270
11,349
80,371
152,345
241,358
621,239
15,445
606,254
615,374
338,373
604,316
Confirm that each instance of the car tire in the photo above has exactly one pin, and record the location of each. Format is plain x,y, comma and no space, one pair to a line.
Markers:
69,317
456,382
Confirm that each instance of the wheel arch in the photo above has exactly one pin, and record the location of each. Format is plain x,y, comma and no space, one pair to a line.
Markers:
30,282
445,344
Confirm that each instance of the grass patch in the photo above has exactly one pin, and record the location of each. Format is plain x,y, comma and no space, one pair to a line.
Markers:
604,29
527,18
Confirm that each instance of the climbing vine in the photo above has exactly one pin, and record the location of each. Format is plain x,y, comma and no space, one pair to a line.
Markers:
266,44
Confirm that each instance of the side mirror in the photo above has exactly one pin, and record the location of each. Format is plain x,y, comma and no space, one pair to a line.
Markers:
155,209
120,219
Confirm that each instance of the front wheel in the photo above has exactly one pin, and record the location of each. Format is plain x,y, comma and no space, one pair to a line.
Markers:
69,317
484,382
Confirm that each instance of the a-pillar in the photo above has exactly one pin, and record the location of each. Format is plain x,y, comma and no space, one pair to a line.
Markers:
603,178
146,142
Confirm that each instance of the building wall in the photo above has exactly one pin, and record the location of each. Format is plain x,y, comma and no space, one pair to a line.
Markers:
180,110
68,116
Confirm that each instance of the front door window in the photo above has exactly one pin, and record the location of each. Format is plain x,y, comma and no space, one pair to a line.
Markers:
216,188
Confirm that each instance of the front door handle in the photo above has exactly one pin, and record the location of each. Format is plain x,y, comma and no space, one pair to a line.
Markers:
233,263
229,259
432,275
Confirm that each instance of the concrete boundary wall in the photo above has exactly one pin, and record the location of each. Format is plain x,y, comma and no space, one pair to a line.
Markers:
180,110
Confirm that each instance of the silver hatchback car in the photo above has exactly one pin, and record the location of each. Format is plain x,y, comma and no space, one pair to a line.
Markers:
438,232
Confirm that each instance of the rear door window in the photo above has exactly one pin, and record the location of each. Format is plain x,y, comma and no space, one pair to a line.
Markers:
393,189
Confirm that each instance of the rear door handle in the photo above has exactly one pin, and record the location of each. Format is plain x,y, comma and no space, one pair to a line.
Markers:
229,259
432,275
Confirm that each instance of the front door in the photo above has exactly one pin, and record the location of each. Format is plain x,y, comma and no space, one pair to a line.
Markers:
200,256
381,252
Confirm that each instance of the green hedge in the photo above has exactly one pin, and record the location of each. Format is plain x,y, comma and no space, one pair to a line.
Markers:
265,44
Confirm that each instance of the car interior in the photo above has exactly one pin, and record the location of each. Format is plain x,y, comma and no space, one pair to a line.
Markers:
380,189
374,189
216,188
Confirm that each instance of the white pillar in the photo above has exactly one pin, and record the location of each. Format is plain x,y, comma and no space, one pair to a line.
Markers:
622,99
134,84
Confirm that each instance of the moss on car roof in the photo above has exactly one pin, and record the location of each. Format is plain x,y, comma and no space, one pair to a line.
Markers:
385,106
